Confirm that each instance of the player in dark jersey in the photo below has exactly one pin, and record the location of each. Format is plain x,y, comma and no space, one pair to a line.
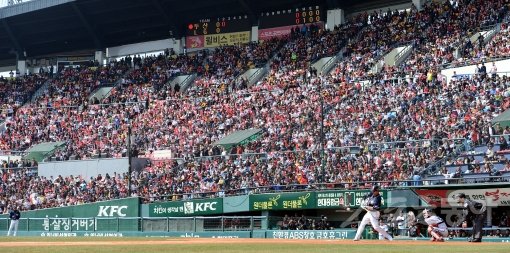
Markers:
372,204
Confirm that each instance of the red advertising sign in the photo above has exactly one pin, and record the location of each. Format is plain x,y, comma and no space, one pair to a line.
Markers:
265,34
195,41
434,197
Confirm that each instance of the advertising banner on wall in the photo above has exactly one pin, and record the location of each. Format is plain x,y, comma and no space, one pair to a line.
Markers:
87,217
216,40
339,199
197,207
309,200
282,201
493,197
278,32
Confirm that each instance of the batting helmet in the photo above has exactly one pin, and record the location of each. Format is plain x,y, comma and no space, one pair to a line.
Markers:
375,188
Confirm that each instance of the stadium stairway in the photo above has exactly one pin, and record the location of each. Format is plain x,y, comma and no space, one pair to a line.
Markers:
184,82
104,92
40,91
487,32
254,75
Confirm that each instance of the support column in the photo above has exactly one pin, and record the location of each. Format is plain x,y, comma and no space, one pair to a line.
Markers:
99,57
418,4
489,216
334,18
254,33
22,67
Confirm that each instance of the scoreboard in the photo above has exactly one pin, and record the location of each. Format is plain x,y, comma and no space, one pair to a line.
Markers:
209,26
291,17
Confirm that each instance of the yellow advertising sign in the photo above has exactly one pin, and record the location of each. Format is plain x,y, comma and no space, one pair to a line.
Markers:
226,39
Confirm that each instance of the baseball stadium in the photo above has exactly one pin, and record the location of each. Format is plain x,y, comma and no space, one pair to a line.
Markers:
254,126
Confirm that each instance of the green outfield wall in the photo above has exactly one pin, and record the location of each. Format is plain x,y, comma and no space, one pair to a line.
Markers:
125,215
87,217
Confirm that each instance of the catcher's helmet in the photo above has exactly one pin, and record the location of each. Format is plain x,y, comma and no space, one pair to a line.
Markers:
375,188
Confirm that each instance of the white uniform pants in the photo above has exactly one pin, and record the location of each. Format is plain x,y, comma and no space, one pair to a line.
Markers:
371,217
13,227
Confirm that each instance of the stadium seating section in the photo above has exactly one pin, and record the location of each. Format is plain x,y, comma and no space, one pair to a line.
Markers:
403,123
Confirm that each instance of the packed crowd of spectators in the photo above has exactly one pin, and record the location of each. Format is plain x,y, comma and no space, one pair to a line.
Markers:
224,66
62,112
497,47
17,91
293,105
455,22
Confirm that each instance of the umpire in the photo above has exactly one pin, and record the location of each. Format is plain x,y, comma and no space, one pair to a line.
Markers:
473,212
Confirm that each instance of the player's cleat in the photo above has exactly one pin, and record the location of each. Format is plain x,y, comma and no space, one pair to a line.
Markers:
440,240
356,240
432,239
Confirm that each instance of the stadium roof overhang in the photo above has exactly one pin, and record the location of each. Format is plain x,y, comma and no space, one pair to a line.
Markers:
45,27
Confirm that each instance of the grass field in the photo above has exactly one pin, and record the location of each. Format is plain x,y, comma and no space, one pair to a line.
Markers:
184,245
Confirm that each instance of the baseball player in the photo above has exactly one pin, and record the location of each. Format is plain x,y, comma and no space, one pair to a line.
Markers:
372,204
14,215
437,227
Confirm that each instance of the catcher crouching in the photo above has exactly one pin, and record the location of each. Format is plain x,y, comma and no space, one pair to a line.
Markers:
437,227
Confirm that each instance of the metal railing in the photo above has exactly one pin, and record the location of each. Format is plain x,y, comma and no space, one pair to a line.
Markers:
434,167
339,185
139,224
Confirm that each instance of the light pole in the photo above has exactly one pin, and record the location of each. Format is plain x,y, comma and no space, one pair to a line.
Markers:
129,156
321,138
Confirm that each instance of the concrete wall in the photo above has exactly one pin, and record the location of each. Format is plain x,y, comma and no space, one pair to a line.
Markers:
144,47
503,66
89,168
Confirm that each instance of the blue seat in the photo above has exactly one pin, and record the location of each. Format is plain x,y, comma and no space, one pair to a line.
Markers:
499,166
452,168
483,149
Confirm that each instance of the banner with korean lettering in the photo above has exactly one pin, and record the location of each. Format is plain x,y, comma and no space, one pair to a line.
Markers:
186,208
226,39
433,197
99,216
282,31
489,197
338,199
282,201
